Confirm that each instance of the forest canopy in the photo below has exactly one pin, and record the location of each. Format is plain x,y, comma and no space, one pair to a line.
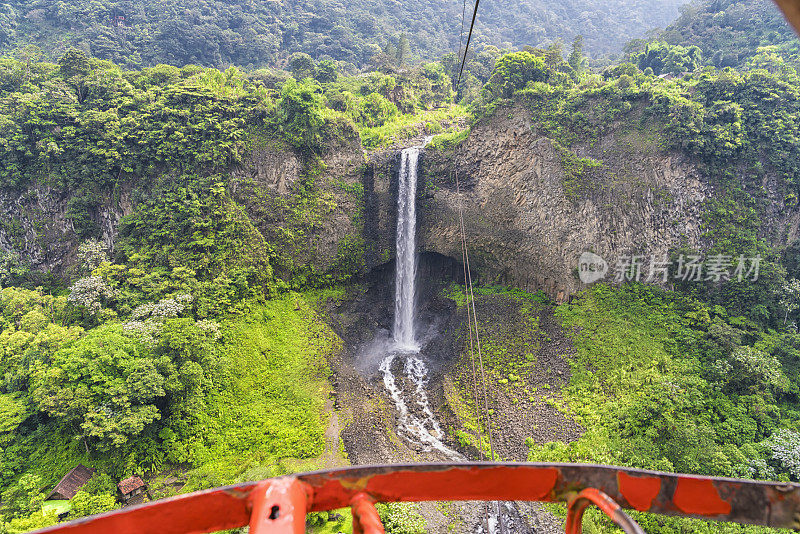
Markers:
252,33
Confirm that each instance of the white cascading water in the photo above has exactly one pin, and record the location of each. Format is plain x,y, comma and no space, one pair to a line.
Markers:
406,243
417,423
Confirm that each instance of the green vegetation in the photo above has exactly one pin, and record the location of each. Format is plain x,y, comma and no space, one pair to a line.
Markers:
25,506
738,128
663,381
448,140
732,33
195,341
401,518
270,405
154,390
187,347
511,337
388,108
252,34
446,120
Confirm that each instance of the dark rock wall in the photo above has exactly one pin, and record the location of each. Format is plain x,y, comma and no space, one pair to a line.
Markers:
524,228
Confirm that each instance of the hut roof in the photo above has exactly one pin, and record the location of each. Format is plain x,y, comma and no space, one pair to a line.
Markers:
130,484
72,482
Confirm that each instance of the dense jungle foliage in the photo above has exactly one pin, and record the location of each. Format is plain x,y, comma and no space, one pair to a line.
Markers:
198,330
730,32
663,381
250,33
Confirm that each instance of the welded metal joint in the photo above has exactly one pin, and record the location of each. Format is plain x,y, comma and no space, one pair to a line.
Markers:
578,504
280,507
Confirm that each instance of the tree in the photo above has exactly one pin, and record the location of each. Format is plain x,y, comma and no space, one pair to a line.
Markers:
299,114
75,66
785,447
91,253
376,110
100,484
84,503
24,497
34,521
554,54
575,59
441,85
326,71
301,66
748,370
8,23
403,49
663,58
681,59
186,346
89,294
513,71
12,268
789,293
390,50
104,386
74,63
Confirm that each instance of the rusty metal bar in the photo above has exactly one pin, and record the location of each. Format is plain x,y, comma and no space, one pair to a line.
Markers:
279,507
202,511
580,502
743,501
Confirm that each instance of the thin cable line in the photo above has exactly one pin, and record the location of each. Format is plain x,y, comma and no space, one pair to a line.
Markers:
476,399
466,48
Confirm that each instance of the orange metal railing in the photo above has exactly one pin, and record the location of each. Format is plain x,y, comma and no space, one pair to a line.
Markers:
280,505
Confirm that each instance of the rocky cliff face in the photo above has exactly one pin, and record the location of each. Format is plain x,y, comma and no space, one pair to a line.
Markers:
308,209
526,220
527,226
38,223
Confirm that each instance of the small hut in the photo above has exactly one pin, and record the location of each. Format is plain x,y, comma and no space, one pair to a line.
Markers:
132,489
72,482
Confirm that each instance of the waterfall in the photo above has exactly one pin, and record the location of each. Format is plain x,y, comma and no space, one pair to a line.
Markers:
415,419
406,260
